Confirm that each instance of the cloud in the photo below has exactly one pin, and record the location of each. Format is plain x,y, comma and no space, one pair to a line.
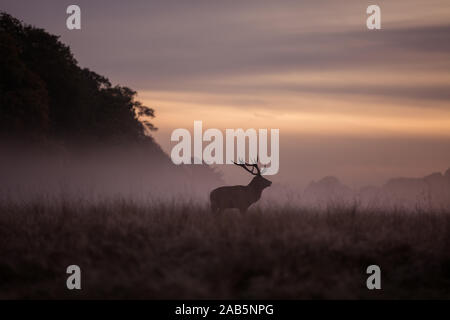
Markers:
179,44
337,91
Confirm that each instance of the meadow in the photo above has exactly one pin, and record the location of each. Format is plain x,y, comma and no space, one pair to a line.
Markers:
157,250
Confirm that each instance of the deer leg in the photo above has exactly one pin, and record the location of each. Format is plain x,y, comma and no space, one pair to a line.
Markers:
216,209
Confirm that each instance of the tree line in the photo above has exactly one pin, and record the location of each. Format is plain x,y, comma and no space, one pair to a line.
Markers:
44,93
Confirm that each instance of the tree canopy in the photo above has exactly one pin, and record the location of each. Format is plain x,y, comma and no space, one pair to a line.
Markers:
44,93
47,100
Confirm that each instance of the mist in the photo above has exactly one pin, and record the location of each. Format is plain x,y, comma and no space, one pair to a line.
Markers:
100,173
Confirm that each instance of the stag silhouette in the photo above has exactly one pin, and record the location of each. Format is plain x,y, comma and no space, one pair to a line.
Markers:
239,197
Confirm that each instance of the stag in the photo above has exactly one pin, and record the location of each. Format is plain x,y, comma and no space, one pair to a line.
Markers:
240,197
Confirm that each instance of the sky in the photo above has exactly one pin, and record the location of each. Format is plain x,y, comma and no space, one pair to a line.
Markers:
362,105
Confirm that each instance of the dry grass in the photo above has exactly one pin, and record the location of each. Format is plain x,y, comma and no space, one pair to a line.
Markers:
126,250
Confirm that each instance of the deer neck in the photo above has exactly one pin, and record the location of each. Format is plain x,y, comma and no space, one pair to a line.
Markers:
255,189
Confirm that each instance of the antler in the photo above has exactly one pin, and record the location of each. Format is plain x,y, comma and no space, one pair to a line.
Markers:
254,166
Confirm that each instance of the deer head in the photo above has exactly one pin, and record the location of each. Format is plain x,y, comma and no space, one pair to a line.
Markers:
258,182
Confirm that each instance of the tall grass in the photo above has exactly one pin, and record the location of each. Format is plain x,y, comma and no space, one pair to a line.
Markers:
159,251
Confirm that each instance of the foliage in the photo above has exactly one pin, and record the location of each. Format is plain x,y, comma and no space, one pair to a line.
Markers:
43,91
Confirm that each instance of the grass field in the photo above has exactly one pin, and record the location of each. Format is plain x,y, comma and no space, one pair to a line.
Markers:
128,250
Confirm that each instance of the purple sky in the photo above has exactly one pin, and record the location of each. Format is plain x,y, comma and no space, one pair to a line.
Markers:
362,105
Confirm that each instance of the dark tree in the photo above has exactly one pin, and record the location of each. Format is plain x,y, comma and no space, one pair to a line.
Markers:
43,92
46,99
